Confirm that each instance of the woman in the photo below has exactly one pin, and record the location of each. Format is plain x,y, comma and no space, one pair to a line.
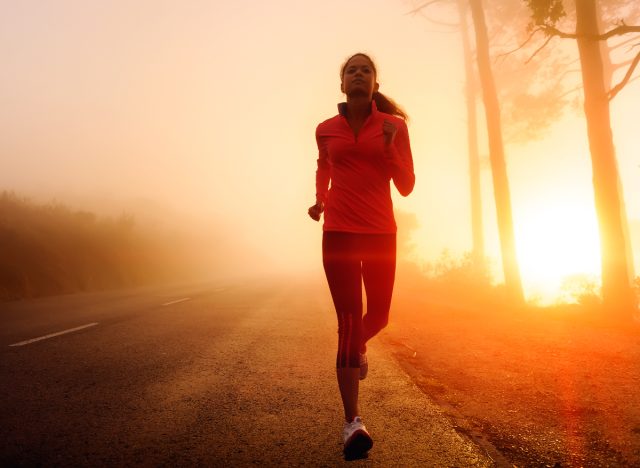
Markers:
361,150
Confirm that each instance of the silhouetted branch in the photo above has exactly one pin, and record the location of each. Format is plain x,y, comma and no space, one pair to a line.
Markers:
560,78
617,31
539,49
442,23
617,66
566,72
617,88
521,45
437,22
424,5
551,31
626,41
571,91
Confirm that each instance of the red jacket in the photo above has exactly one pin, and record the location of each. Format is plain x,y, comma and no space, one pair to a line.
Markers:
360,170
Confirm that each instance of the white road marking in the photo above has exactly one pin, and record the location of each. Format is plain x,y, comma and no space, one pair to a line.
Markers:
51,335
176,301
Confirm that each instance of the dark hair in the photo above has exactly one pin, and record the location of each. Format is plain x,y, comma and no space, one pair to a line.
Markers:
383,103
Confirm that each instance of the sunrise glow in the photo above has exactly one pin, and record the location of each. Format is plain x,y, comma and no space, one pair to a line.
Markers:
555,242
209,113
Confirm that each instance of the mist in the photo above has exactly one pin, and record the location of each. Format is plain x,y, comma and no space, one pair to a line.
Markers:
200,118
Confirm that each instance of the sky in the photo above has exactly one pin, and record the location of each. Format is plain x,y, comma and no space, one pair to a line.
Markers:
208,110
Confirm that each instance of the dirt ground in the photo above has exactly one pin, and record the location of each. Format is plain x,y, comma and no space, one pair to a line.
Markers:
535,387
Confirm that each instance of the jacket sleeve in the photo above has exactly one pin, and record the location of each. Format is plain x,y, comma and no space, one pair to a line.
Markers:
322,172
400,161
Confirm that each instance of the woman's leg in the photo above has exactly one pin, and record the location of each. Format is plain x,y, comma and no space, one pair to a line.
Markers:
344,274
378,273
349,383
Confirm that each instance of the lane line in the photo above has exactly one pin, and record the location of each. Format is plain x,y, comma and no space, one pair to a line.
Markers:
176,301
51,335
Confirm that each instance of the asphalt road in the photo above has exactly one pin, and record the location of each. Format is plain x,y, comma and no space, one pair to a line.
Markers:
224,374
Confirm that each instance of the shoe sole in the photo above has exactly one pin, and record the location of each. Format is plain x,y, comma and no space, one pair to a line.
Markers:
358,444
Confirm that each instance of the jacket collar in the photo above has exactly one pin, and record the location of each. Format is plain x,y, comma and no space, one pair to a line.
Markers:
342,108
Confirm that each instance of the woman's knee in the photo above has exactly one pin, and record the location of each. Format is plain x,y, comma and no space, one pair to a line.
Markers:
377,320
381,321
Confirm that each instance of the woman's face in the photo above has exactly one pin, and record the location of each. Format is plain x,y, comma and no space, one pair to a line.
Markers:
358,78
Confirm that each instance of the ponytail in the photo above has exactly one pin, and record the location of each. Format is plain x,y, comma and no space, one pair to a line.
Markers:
389,106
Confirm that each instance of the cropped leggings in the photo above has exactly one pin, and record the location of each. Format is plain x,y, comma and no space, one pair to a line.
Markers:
349,260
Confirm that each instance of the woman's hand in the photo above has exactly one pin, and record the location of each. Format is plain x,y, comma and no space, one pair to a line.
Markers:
316,210
389,131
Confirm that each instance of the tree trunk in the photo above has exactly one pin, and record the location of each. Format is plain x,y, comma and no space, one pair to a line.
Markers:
616,284
472,140
496,154
607,76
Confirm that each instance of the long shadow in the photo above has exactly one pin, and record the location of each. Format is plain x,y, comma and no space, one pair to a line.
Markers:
356,456
358,449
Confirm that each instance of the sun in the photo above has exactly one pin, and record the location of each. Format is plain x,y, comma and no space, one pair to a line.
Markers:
555,241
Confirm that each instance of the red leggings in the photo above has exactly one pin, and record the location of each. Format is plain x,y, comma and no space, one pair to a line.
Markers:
349,260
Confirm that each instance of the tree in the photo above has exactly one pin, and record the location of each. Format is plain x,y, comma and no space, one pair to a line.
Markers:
611,9
471,96
472,137
501,190
495,136
617,292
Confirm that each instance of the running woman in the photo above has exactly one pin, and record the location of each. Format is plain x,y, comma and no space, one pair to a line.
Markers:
361,149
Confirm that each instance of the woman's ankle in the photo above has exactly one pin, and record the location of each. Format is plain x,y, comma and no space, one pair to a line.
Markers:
349,420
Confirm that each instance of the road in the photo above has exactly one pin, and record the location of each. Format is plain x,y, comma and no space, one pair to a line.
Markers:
212,374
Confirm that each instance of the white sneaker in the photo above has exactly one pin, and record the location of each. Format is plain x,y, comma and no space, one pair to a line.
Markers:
364,366
357,440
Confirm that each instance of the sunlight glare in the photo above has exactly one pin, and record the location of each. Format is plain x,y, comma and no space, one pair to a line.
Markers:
553,242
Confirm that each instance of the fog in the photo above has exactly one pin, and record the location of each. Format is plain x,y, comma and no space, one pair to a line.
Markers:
203,112
201,116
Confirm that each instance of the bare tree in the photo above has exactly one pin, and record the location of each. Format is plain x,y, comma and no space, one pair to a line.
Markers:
471,95
496,155
498,165
472,137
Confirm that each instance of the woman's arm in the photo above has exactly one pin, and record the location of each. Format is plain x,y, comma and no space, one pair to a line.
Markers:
322,180
400,161
322,172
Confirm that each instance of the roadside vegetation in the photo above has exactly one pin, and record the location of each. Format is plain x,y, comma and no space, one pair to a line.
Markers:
48,249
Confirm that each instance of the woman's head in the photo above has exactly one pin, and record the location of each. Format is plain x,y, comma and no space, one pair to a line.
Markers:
358,77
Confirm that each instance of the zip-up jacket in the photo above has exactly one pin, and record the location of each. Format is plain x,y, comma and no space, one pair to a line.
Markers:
354,172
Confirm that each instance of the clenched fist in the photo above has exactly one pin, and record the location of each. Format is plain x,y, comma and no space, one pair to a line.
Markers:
389,131
316,210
